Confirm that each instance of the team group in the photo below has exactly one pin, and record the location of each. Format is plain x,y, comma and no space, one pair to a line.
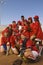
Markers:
24,38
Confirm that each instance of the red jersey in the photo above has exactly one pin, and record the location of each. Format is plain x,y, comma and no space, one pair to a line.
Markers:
6,30
23,22
12,40
38,30
14,27
32,29
35,48
3,40
25,31
29,43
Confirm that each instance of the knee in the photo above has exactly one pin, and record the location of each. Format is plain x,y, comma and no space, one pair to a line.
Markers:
15,51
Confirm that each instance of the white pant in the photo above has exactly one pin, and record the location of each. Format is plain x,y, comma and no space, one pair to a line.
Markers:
12,48
35,54
1,48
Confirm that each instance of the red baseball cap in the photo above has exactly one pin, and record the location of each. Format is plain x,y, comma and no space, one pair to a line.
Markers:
30,18
36,17
19,22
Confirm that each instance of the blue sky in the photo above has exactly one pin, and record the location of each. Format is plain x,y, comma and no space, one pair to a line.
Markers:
13,9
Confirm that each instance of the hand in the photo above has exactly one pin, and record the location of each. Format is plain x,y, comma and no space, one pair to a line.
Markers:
32,37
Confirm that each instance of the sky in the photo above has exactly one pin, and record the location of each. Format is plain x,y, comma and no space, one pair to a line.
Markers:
13,9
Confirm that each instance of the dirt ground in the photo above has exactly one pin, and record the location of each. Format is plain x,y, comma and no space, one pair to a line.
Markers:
8,60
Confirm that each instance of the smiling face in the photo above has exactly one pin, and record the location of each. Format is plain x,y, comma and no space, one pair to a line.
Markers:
36,19
22,37
14,22
29,21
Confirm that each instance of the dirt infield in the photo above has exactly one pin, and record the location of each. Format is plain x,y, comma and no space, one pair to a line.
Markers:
8,60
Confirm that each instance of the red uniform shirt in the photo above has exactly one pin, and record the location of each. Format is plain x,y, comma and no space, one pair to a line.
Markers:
29,43
3,40
35,48
20,42
12,40
14,27
25,31
26,34
5,30
32,29
23,22
42,36
38,30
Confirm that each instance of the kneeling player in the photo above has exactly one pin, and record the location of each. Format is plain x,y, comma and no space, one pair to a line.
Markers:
13,43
